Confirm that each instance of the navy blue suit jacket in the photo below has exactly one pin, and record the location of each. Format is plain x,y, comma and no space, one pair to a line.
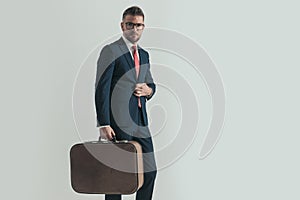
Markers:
116,105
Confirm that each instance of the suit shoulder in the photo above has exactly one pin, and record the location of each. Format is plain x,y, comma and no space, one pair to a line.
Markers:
105,51
110,48
144,51
111,45
115,43
114,46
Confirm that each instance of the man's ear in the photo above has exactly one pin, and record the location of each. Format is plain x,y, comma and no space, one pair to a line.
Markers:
122,27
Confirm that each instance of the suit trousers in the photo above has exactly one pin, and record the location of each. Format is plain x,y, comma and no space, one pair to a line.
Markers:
143,137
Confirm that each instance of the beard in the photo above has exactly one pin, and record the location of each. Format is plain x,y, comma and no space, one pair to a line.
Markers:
132,37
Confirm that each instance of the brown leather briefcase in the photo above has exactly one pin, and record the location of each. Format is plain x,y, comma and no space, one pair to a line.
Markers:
106,167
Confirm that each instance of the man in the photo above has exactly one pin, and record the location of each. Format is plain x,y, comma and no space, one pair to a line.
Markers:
123,86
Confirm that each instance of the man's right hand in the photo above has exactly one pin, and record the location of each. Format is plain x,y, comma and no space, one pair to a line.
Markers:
107,132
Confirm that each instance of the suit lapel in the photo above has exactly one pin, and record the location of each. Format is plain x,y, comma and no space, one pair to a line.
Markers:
142,63
126,53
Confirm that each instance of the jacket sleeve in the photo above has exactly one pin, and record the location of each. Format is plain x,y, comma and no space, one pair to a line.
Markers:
105,68
149,80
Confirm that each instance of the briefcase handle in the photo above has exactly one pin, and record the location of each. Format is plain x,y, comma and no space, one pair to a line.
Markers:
113,140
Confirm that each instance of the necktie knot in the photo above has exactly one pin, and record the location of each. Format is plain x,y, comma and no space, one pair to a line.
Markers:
134,48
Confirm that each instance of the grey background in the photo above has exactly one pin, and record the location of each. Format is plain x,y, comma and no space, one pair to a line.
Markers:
254,44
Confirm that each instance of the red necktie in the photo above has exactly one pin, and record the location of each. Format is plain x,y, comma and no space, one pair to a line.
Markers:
137,69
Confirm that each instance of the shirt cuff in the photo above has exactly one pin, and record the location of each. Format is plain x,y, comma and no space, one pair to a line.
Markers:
103,126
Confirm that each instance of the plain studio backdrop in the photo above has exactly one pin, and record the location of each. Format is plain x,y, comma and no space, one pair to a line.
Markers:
254,44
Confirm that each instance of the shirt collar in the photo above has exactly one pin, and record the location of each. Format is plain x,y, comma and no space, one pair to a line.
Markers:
128,43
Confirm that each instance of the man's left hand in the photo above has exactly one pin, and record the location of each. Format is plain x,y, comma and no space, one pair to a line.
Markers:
142,89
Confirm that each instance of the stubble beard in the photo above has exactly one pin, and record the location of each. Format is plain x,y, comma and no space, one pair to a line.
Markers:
133,37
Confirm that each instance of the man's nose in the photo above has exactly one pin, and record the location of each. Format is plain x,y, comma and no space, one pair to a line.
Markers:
135,28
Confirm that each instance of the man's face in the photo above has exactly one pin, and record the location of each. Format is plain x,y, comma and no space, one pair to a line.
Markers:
132,27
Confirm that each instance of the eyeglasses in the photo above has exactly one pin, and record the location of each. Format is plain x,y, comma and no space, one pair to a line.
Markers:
130,25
